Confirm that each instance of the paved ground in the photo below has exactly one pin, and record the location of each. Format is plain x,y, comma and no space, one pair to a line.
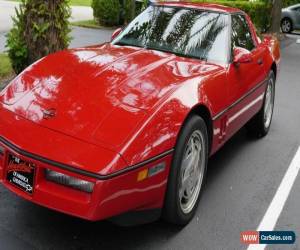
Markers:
7,9
84,36
242,180
81,36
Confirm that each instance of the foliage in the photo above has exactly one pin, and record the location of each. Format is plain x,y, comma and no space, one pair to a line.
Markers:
107,12
258,11
111,12
40,28
137,8
18,52
129,10
287,3
72,2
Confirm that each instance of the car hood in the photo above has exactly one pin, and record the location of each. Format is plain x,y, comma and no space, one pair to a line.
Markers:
98,94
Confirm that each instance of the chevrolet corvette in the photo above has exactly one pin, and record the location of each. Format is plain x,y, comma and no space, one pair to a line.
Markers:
124,130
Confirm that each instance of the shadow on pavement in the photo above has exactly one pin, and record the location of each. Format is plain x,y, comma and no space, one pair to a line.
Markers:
42,227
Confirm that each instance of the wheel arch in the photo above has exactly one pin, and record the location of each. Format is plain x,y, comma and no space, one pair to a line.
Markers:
274,69
203,111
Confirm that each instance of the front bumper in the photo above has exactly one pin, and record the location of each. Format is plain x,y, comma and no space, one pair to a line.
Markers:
47,149
110,197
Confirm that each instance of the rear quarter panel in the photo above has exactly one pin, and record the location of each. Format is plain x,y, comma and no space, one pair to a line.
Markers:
274,55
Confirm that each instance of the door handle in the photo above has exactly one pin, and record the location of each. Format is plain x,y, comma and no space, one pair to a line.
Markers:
260,61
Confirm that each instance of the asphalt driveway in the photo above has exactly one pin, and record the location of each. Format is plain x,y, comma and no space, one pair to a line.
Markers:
81,36
7,10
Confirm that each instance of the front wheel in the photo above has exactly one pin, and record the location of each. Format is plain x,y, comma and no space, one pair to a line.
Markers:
187,172
259,125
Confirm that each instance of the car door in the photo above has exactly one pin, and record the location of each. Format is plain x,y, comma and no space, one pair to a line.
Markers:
297,17
245,92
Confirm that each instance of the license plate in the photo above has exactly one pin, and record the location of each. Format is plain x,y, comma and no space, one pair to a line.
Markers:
20,174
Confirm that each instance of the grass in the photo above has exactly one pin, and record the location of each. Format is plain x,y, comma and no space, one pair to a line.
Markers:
6,71
87,24
73,2
81,2
92,24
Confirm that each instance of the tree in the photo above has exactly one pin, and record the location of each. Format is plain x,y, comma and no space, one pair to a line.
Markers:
40,28
276,16
133,9
107,12
129,10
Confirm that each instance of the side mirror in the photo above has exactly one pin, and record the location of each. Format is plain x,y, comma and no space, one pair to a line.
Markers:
241,55
115,33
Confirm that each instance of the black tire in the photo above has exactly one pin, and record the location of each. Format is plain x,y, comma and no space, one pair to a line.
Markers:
257,126
286,25
172,211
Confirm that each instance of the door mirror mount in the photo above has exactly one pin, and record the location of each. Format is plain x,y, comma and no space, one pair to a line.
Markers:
241,55
115,33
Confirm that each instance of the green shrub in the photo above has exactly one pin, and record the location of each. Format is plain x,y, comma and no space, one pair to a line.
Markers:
258,11
111,12
287,3
17,49
107,12
128,10
40,28
138,7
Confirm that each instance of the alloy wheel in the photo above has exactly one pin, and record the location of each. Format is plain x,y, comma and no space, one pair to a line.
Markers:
269,104
192,172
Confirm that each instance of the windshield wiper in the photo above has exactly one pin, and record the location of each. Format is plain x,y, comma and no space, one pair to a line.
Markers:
177,53
120,43
127,44
164,50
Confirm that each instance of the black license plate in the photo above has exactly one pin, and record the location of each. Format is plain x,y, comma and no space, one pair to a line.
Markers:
20,174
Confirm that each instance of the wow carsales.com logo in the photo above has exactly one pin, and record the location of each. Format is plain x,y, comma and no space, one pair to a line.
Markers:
268,237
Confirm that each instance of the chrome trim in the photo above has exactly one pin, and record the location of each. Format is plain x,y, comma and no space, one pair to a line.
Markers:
246,108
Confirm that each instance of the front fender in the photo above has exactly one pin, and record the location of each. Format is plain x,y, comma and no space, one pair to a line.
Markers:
159,132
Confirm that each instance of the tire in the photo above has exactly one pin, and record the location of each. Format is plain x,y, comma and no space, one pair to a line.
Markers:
286,25
180,205
259,125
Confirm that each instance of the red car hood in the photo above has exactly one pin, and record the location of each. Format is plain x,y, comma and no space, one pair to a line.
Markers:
98,94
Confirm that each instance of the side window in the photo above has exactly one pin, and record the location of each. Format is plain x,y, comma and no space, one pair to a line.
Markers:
241,35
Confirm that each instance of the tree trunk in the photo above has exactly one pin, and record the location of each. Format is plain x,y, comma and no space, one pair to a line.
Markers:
46,27
276,16
132,14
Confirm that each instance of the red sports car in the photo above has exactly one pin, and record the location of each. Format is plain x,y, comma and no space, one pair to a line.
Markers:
124,130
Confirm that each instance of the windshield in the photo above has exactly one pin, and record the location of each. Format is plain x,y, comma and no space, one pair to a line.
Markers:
182,31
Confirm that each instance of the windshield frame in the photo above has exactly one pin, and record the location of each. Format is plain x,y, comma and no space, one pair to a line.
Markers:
228,33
